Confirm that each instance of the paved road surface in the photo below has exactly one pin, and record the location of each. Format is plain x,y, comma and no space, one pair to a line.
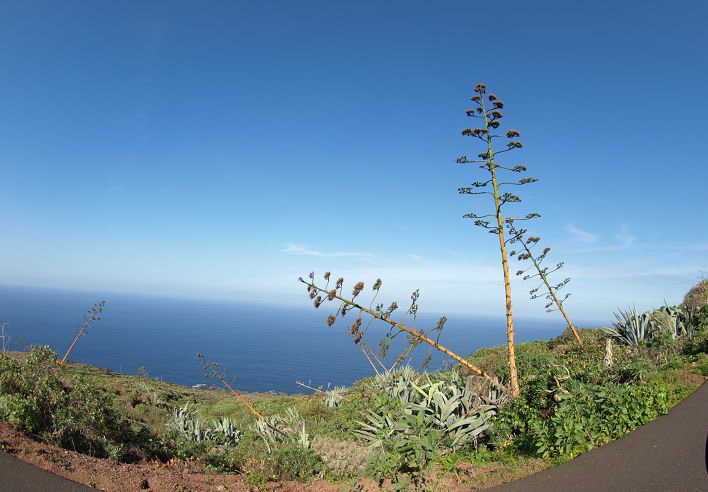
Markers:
667,455
18,476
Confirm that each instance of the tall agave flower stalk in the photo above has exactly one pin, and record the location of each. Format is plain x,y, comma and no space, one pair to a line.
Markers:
488,111
93,314
542,272
211,370
320,294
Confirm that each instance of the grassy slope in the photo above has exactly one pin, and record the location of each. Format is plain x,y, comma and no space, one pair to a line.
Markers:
148,402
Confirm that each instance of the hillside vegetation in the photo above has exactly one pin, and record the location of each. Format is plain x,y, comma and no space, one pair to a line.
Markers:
401,428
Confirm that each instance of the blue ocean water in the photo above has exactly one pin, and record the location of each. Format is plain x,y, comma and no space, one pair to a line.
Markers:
263,348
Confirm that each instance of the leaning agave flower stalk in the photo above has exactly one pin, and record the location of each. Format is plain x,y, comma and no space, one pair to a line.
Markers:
94,314
351,304
211,369
517,236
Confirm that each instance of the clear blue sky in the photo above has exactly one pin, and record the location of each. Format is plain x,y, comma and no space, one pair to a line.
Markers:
221,149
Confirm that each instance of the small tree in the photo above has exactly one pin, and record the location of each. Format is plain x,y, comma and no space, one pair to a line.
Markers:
488,111
541,272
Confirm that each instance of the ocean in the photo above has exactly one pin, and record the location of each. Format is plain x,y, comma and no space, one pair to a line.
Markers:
263,348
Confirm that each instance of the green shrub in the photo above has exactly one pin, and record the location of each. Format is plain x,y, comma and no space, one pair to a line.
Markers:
697,297
40,398
343,458
589,415
23,414
699,342
4,400
285,461
292,462
702,369
633,370
510,429
44,400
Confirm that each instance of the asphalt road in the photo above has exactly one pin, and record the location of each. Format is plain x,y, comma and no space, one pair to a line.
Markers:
667,455
18,476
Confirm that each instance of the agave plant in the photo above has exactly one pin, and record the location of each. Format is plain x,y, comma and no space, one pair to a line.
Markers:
278,429
334,397
292,416
444,408
267,430
398,384
188,426
226,432
455,410
674,320
303,438
631,328
377,429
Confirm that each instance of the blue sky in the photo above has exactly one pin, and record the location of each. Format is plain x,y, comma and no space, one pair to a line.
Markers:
222,149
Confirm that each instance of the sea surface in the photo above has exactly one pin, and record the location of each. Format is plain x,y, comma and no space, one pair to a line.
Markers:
263,348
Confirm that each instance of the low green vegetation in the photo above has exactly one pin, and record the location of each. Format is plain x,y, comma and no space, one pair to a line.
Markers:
400,427
40,397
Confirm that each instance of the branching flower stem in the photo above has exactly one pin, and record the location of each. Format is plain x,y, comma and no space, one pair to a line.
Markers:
415,333
515,390
551,290
93,316
240,398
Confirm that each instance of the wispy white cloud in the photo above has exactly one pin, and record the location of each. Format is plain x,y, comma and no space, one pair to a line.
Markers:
581,235
299,249
415,257
624,237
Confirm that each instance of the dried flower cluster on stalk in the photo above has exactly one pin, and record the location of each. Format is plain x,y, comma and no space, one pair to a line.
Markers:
545,289
488,111
321,293
93,314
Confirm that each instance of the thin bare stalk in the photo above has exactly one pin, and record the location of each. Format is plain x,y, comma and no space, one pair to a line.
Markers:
316,390
94,315
403,356
5,339
383,366
376,370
